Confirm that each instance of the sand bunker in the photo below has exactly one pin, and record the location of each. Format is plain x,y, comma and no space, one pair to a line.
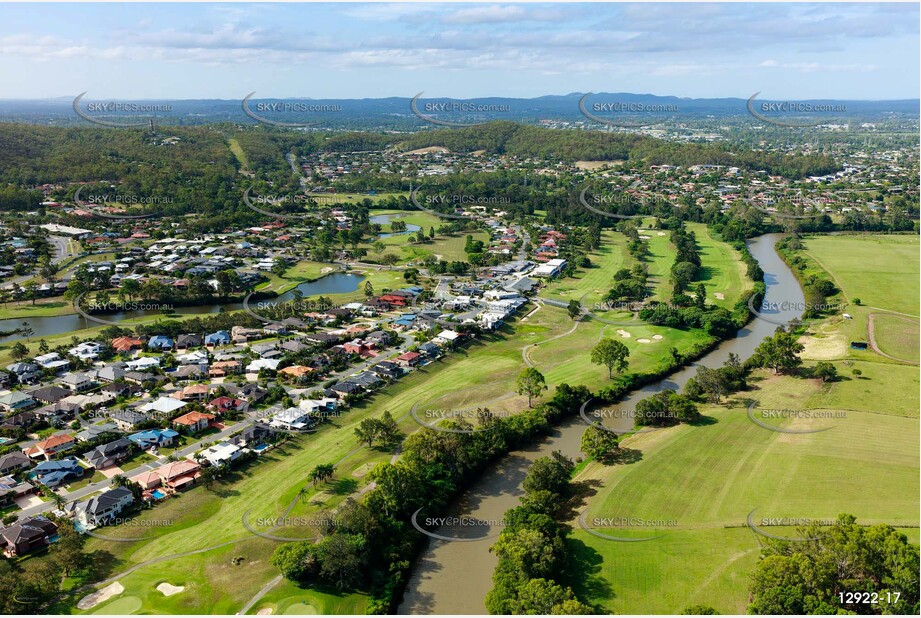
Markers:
660,233
104,594
719,296
362,470
643,340
623,333
657,337
169,589
265,611
645,237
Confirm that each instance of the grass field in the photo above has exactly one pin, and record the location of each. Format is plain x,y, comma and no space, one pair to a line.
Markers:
660,258
722,269
449,248
897,335
591,284
708,478
238,152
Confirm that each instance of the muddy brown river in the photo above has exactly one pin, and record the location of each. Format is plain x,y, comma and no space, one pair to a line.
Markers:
453,577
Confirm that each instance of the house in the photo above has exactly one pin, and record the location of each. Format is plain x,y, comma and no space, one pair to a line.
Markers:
109,454
225,368
251,393
222,453
164,406
50,394
77,382
366,379
252,435
358,347
293,346
160,342
193,422
179,474
14,462
148,480
263,363
25,373
551,268
11,489
109,374
88,350
388,370
430,350
121,389
142,364
221,337
239,334
94,431
379,338
295,372
197,357
57,472
193,392
223,405
321,338
140,378
14,401
123,345
49,447
345,389
408,359
292,419
126,420
27,536
188,372
276,328
319,407
23,421
102,509
184,342
52,361
154,438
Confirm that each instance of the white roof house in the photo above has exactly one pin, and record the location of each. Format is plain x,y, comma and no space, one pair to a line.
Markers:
163,405
221,453
290,418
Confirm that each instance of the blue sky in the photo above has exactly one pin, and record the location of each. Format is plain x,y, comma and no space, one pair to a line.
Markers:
174,51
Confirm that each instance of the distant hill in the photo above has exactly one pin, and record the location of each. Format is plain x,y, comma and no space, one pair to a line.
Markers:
395,113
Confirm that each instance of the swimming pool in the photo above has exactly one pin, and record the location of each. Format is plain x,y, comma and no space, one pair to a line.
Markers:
159,495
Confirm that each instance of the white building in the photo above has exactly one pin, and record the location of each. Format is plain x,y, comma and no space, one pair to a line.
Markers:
221,453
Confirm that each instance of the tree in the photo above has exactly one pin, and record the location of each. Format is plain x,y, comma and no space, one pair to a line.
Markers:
322,473
666,408
574,309
826,371
531,382
369,289
793,577
599,443
549,474
699,610
779,352
342,559
297,561
713,383
19,351
369,430
612,354
544,596
279,267
389,429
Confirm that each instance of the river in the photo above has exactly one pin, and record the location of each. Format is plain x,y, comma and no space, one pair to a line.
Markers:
333,283
452,577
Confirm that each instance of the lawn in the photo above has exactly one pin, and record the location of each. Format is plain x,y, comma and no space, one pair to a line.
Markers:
722,269
43,307
660,258
897,335
592,284
893,261
707,479
238,152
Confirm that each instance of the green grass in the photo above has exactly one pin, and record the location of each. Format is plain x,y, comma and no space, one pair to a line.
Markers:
722,269
592,284
660,258
286,598
238,152
897,335
892,260
43,307
708,478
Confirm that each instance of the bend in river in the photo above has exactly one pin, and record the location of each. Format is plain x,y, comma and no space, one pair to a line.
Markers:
454,577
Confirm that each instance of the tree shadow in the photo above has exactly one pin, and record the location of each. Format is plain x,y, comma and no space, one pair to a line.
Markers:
703,421
343,486
582,571
623,455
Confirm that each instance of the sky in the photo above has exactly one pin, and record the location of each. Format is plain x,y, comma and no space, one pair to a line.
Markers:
459,50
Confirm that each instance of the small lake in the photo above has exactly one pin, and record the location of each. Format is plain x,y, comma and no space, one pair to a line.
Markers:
333,283
387,219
